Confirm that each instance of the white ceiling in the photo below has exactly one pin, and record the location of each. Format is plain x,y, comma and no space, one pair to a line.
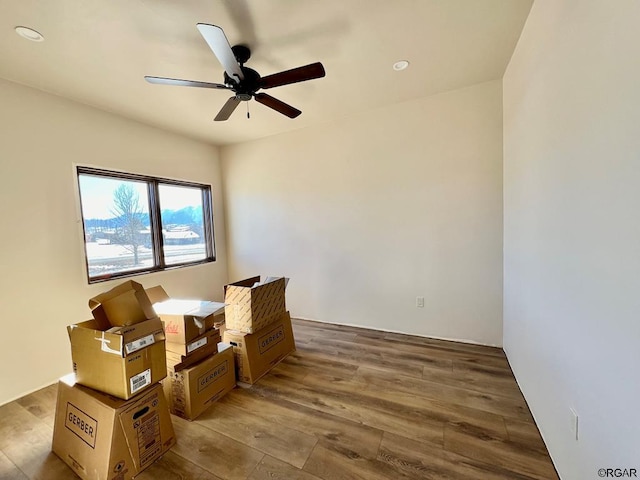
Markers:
98,51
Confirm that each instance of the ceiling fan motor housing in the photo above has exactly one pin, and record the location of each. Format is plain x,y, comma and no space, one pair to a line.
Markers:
245,88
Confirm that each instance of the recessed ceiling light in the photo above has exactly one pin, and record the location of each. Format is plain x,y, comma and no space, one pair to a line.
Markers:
401,65
29,34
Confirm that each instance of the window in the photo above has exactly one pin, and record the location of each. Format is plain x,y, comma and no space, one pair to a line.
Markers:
136,224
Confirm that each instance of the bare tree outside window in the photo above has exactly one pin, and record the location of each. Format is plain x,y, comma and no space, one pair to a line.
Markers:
128,214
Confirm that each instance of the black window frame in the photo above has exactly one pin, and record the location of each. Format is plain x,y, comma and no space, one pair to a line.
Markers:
155,221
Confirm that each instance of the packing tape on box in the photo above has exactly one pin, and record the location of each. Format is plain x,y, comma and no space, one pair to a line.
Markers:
104,347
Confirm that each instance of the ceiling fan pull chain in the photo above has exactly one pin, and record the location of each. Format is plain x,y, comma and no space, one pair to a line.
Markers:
248,116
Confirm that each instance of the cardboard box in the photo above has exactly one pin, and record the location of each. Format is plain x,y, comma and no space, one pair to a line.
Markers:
104,438
259,352
184,320
211,337
252,305
120,361
123,305
192,390
177,362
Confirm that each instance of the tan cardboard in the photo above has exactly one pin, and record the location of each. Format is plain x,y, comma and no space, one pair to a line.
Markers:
259,352
104,438
192,390
252,305
208,338
219,320
125,304
177,362
221,327
121,361
185,320
157,294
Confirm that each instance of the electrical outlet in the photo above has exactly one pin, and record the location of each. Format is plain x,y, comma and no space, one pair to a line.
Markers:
420,302
573,418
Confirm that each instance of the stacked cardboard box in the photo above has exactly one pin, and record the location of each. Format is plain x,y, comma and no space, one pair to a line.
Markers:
258,325
104,438
191,391
112,419
198,374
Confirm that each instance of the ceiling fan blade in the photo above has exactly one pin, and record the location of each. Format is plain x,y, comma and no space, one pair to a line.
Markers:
184,83
300,74
227,109
277,105
217,41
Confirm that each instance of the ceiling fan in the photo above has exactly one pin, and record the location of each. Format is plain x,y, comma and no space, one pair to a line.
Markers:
244,81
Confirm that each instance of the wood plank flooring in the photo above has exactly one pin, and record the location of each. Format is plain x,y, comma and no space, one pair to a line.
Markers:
348,404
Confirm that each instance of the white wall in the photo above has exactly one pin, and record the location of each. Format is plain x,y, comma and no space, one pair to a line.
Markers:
572,228
367,213
43,286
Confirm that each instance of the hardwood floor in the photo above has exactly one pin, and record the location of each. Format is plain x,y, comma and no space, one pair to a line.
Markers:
348,404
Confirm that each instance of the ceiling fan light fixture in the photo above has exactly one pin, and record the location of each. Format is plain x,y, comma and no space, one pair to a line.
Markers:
29,34
400,65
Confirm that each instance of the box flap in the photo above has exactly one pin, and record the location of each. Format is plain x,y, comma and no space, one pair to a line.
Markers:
249,282
157,294
207,308
125,304
142,329
255,282
194,308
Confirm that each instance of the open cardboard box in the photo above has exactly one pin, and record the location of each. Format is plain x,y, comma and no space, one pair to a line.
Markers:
104,438
120,361
252,304
123,305
184,320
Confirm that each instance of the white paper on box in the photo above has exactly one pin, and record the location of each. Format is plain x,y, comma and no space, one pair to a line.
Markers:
273,279
140,380
196,345
196,308
138,344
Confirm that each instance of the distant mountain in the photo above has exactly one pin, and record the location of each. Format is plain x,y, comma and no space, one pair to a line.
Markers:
184,216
